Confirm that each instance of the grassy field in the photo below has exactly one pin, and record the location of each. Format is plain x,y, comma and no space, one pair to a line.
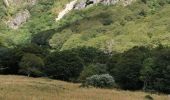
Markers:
24,88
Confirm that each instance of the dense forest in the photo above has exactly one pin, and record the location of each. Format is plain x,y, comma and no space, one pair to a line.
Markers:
101,46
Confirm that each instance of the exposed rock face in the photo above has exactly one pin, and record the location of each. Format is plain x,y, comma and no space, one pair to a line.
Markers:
84,3
22,16
19,19
68,8
81,4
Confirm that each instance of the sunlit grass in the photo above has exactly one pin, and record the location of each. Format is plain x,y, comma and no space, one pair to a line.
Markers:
24,88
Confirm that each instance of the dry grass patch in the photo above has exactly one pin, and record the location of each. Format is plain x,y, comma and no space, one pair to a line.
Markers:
24,88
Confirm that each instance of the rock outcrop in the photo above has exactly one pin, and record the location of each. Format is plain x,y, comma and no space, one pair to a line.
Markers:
19,19
81,4
68,8
22,15
84,3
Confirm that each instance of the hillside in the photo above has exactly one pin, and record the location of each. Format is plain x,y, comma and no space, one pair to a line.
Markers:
115,27
24,88
107,27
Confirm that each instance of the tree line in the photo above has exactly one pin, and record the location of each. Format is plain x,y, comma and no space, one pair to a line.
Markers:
137,68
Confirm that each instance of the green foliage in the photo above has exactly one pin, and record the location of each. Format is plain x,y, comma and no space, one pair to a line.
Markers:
58,40
65,65
2,10
156,71
91,55
146,72
94,26
34,49
97,25
101,81
93,69
31,65
9,59
42,37
126,70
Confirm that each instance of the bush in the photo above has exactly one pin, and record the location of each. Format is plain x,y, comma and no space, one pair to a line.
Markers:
101,81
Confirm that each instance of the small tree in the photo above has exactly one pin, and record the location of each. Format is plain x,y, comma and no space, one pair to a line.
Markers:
31,65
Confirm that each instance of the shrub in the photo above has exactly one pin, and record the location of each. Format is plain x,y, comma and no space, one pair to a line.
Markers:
101,81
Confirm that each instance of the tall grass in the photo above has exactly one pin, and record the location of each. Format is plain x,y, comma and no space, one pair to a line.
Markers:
24,88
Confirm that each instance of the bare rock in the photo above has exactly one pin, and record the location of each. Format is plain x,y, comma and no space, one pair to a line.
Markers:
19,19
84,3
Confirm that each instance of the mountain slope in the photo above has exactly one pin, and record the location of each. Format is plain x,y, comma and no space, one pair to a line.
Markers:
109,28
115,27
